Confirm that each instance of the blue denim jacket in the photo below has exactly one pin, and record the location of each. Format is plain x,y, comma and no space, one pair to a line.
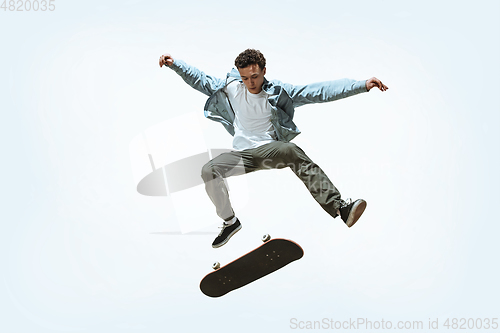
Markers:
283,97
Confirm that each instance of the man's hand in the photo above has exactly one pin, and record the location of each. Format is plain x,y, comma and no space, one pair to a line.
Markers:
374,82
166,59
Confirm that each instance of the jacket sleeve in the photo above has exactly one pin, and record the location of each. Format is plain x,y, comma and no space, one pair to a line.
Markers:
321,92
197,79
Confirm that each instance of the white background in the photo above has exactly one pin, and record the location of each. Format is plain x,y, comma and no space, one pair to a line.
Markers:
82,251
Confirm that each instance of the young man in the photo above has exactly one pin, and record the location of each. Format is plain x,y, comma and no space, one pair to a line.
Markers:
259,115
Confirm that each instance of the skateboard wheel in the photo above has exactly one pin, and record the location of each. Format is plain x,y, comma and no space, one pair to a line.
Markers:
266,237
216,265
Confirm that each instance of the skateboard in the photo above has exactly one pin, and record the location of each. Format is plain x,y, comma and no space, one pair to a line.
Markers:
269,257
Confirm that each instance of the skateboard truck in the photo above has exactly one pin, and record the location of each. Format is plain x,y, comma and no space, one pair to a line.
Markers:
265,238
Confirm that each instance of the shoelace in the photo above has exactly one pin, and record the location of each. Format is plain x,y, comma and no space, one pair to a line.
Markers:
224,226
346,202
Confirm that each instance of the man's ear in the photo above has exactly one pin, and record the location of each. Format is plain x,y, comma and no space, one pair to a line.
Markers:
264,71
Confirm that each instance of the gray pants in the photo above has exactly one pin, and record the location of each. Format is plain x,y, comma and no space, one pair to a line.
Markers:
274,155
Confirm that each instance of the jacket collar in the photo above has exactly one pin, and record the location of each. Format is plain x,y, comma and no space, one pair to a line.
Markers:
234,74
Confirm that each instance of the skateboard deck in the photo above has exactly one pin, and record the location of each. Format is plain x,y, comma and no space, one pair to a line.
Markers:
265,259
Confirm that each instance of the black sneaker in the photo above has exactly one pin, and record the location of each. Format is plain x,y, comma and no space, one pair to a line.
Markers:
227,232
350,211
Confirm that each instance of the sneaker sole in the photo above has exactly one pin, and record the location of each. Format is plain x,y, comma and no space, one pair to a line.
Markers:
357,210
228,237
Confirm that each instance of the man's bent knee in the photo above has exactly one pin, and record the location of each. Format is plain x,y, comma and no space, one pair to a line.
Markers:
289,151
208,172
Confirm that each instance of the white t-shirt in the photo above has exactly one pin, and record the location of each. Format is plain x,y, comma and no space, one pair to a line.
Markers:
252,124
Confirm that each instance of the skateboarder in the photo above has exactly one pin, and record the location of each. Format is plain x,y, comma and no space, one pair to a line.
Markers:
259,115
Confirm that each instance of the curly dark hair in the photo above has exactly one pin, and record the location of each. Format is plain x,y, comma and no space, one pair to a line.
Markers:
250,57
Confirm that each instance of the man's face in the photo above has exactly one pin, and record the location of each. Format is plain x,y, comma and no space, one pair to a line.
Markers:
253,77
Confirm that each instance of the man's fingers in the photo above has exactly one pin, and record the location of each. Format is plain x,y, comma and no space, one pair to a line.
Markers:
166,59
380,85
374,82
162,60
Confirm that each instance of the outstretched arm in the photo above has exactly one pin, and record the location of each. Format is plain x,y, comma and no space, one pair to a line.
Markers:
328,91
194,77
